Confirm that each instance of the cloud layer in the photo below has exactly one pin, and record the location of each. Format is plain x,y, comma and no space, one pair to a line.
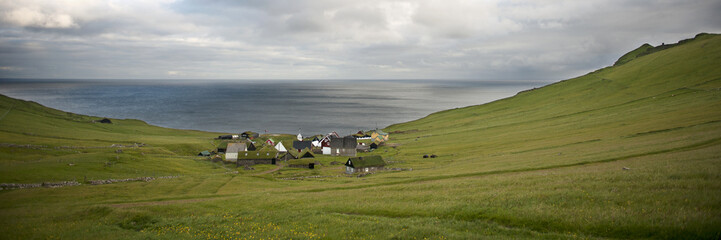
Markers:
330,39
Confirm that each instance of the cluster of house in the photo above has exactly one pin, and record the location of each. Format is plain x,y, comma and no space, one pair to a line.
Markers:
244,151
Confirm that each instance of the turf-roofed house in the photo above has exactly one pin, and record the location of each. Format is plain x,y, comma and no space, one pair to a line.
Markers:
263,156
364,164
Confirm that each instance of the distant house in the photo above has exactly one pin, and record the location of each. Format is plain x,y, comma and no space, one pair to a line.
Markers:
364,164
231,154
300,145
225,137
345,146
316,142
300,137
204,154
270,142
379,136
325,142
280,147
361,136
264,156
249,135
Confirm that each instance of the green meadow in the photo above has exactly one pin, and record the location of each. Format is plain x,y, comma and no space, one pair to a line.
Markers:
629,151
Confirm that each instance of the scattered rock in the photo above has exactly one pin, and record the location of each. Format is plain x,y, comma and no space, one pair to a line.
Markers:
105,120
71,164
248,168
626,168
118,151
434,156
425,156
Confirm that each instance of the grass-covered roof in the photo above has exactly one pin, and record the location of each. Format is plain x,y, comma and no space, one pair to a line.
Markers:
367,161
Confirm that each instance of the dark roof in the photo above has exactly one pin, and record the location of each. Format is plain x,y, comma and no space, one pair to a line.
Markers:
225,137
257,155
367,161
302,145
344,142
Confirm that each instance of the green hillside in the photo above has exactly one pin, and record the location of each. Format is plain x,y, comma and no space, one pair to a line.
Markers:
40,144
629,151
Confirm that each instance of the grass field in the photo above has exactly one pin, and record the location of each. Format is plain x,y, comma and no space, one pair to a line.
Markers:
629,151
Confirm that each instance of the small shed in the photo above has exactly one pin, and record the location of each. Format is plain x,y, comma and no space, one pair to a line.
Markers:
270,142
374,145
204,154
364,164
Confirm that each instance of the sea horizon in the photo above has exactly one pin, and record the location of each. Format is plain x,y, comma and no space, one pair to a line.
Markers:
316,106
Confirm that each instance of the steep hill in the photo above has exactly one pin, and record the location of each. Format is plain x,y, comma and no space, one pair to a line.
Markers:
660,101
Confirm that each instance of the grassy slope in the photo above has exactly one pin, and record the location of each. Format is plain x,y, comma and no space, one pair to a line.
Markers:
546,163
58,139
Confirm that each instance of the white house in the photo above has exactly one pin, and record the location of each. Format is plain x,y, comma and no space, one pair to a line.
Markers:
231,153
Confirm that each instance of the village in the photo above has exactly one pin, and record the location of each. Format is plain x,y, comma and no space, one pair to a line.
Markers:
251,148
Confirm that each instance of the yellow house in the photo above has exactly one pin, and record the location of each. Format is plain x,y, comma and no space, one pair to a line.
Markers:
379,136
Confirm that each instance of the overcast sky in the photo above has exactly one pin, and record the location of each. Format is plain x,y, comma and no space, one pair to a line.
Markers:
331,39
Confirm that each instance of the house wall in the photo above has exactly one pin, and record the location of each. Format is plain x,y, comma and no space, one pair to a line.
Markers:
351,170
326,150
231,157
248,162
350,152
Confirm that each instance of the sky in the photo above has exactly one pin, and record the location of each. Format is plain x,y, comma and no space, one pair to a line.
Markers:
336,39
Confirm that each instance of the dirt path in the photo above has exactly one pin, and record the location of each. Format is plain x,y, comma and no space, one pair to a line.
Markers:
269,171
166,202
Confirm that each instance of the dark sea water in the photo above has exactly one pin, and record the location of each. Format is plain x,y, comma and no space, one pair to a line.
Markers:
311,106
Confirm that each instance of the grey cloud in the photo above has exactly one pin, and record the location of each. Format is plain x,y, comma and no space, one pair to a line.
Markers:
340,39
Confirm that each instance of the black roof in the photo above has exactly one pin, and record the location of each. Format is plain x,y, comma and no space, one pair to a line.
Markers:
302,145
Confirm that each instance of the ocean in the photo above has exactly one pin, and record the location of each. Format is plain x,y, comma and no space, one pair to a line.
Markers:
273,106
